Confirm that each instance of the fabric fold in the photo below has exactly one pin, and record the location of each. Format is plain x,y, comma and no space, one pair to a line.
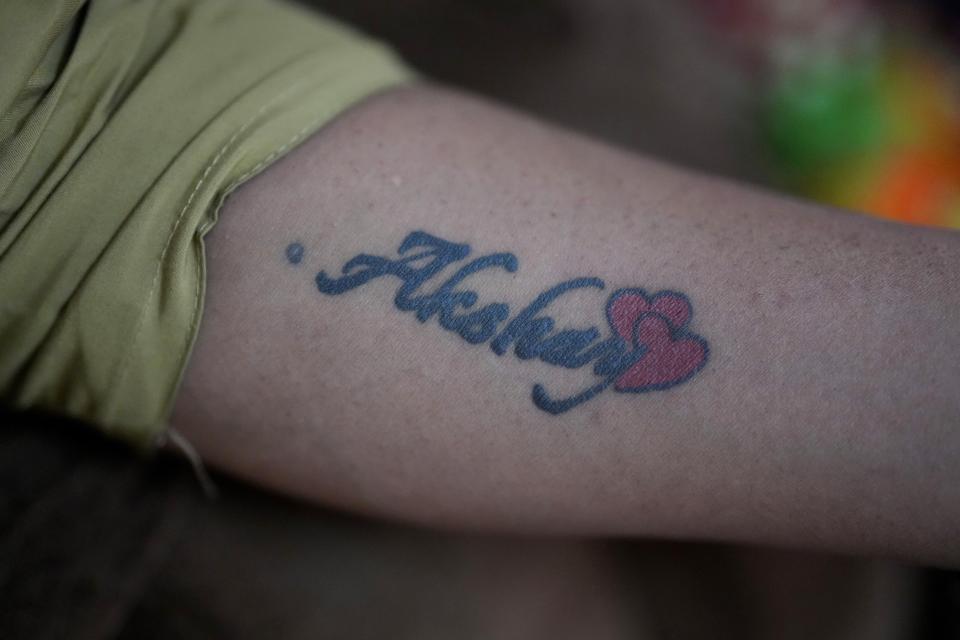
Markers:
158,110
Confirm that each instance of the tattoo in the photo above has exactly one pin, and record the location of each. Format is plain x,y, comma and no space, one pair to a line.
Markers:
648,346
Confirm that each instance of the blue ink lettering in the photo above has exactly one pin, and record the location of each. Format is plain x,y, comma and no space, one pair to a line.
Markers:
649,346
294,253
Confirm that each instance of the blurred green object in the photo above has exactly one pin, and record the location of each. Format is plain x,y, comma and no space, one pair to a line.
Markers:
825,113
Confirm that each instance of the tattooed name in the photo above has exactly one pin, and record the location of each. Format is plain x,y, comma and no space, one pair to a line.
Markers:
647,345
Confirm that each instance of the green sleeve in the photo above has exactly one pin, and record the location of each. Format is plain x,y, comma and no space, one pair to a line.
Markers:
123,125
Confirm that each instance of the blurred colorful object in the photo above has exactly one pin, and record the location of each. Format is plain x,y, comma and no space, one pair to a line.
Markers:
852,116
882,138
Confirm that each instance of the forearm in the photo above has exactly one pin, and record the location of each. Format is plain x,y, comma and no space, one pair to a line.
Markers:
821,409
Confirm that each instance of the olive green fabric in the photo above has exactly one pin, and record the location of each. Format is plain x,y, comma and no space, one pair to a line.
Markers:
123,125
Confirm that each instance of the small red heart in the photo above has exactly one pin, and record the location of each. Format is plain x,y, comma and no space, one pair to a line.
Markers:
627,305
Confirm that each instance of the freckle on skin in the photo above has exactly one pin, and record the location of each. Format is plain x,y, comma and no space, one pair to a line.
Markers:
784,298
852,239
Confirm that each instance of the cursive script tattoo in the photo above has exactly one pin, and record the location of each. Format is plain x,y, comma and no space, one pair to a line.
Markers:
648,345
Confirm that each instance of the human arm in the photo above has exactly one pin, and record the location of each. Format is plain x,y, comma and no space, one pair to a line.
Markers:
824,415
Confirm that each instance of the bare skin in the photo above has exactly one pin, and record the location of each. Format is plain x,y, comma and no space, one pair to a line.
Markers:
827,415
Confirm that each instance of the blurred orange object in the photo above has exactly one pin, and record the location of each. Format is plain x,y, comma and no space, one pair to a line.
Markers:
918,187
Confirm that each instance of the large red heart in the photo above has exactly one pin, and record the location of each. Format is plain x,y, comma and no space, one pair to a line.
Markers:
669,360
656,324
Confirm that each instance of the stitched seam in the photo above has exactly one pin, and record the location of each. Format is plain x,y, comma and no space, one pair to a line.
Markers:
195,314
124,367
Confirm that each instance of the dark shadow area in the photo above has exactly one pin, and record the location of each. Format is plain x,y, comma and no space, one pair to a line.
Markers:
99,543
640,74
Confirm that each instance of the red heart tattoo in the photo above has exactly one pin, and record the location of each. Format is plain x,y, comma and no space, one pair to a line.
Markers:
657,325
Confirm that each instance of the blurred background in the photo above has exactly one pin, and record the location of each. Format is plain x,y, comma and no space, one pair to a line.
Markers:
848,102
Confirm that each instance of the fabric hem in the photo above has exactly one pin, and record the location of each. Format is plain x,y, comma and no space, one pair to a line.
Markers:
158,435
